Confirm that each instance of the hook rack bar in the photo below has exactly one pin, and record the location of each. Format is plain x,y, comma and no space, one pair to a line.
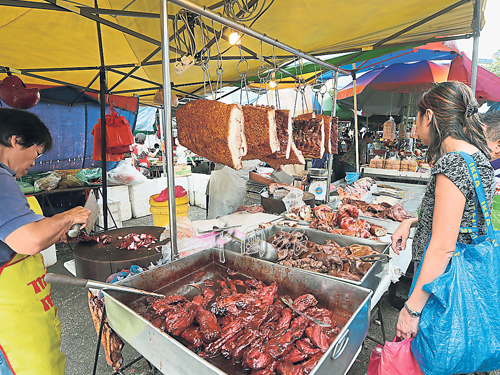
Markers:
255,34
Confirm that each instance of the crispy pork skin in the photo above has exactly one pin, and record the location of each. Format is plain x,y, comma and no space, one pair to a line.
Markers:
213,130
260,131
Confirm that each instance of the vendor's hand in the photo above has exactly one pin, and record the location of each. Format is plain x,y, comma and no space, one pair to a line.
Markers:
79,215
407,326
400,236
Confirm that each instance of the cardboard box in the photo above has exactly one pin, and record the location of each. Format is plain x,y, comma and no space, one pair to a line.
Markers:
182,170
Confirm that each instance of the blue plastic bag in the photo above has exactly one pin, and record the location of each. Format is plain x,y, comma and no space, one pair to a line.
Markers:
459,330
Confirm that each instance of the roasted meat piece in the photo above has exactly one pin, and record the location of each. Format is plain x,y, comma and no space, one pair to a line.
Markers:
209,327
309,137
260,131
303,302
178,321
213,130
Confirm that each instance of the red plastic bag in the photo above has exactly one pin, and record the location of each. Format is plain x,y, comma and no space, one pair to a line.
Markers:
179,192
119,137
394,358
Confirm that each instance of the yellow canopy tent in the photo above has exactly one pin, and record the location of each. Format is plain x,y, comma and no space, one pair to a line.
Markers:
55,42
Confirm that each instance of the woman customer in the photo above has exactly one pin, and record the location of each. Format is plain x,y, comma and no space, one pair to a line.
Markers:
30,332
141,153
448,122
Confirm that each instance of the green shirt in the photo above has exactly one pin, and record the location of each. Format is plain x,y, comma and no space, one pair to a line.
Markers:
350,156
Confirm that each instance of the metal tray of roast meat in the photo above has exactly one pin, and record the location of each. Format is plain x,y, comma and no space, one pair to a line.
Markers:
370,280
349,303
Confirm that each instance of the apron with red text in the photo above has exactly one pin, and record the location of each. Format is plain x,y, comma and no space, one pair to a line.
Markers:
30,331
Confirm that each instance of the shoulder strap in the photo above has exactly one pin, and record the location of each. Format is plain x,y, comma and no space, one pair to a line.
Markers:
481,196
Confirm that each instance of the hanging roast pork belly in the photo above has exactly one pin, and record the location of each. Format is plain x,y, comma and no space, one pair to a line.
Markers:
213,130
327,120
260,131
334,132
309,137
288,152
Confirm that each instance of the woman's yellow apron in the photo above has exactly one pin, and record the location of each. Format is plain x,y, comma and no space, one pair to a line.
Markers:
30,332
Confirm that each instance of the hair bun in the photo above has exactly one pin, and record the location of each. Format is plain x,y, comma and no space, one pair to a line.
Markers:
471,109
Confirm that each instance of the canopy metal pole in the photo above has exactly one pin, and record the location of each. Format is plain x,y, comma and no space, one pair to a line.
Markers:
167,128
475,46
330,157
103,88
356,140
255,34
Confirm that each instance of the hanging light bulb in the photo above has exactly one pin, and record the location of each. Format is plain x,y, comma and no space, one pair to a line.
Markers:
234,38
272,83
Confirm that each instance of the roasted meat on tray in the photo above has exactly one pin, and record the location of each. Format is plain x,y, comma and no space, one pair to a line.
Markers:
246,323
295,250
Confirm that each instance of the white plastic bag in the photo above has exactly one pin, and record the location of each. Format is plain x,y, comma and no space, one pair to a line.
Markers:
185,229
125,174
49,182
294,197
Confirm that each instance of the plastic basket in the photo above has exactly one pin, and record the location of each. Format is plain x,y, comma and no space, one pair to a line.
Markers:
350,177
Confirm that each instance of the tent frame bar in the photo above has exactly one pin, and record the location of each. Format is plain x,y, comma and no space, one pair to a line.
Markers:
253,33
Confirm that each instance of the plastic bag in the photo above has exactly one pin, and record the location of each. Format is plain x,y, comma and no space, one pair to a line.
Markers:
294,197
188,246
90,176
49,182
394,358
125,174
185,229
70,181
179,192
26,187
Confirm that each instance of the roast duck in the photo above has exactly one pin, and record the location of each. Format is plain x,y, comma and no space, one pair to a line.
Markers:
295,250
247,324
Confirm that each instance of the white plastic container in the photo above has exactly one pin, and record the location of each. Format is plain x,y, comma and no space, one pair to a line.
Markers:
49,256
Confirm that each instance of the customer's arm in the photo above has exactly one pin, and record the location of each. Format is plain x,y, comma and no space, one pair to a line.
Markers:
448,211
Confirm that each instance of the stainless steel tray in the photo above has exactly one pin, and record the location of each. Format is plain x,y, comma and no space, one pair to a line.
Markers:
370,280
171,357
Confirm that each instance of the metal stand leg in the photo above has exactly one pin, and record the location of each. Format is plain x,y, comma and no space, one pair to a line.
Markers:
120,371
103,317
382,328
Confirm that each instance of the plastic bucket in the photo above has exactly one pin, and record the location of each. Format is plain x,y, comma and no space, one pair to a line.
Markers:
160,210
351,177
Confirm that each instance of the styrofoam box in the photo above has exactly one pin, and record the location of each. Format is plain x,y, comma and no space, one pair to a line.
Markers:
114,207
200,200
199,182
140,208
191,191
142,191
49,256
121,194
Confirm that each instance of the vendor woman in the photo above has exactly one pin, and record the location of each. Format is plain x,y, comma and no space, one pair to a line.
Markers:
349,158
30,332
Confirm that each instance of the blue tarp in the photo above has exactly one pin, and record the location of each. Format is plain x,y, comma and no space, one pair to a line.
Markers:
70,128
145,119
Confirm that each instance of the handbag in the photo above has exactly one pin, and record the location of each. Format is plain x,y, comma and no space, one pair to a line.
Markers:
459,330
394,358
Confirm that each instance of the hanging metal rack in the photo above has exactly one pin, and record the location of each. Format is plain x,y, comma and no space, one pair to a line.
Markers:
167,124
